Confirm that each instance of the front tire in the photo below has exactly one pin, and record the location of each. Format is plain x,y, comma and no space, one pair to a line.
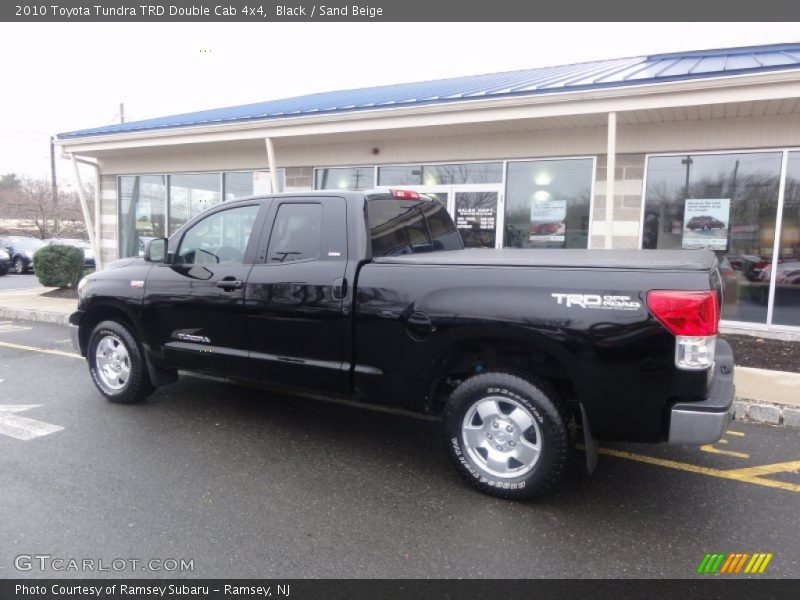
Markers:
19,266
117,365
507,436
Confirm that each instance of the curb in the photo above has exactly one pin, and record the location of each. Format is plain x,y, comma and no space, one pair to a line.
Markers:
38,316
754,411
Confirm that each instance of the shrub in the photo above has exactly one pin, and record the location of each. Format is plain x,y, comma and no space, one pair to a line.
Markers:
58,266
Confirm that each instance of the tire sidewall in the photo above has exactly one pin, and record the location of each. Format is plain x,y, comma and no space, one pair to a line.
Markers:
541,408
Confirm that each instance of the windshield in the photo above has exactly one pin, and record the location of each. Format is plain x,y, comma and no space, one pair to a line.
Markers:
410,226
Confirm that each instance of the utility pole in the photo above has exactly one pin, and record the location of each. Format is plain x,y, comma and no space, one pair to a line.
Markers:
121,112
54,184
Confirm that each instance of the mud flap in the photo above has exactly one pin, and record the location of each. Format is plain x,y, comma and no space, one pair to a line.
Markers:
588,442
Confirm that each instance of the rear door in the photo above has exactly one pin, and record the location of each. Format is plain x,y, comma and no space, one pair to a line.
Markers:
194,306
296,295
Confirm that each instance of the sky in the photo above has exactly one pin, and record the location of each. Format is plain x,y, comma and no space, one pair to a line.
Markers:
63,76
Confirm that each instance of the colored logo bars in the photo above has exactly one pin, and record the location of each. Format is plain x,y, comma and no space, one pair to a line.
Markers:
734,563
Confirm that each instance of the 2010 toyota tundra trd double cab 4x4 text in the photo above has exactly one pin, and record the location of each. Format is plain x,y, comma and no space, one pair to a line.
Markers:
373,297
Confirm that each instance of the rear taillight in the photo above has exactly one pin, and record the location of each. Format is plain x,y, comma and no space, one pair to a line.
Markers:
405,194
693,317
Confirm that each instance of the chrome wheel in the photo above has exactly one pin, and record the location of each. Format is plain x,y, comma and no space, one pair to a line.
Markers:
501,436
19,266
113,362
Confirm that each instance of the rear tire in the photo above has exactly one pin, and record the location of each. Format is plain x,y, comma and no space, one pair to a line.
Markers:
117,364
3,269
507,436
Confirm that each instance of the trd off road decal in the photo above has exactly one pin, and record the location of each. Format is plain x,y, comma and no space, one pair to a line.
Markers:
597,302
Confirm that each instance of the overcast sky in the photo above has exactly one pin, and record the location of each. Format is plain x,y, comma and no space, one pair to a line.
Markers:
60,77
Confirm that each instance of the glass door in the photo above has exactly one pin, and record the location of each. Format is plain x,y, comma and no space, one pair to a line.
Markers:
475,213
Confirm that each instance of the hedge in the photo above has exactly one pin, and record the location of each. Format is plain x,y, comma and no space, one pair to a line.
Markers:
58,265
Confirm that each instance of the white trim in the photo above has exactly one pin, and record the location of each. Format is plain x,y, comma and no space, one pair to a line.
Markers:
590,230
776,243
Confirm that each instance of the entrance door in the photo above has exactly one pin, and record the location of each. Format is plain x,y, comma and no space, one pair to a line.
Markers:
475,213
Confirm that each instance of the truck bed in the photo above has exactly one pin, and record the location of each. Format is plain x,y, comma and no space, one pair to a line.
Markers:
656,260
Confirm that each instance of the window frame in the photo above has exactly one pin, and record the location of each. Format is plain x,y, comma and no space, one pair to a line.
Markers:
272,218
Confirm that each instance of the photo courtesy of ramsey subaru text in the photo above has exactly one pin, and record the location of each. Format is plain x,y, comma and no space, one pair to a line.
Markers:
371,296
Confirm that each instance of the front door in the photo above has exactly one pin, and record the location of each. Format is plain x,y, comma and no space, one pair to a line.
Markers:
194,306
475,212
296,295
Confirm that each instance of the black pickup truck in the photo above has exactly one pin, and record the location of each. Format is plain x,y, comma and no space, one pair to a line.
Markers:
371,296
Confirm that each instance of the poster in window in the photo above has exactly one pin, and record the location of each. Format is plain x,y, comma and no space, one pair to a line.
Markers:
548,220
705,223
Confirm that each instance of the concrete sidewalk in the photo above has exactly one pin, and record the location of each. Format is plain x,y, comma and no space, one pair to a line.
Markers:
762,395
31,305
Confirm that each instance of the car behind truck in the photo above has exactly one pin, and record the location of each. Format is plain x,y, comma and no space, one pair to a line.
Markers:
372,297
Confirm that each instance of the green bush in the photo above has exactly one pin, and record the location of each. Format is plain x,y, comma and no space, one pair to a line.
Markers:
58,266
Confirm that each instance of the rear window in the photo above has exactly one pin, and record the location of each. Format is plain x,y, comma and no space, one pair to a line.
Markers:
408,227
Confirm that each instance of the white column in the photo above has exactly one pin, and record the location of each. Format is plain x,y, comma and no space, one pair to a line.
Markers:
87,216
273,168
611,163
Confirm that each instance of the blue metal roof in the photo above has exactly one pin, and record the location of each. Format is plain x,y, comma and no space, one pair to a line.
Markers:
598,74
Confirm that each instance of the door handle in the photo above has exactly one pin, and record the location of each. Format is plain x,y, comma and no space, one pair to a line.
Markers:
230,283
339,288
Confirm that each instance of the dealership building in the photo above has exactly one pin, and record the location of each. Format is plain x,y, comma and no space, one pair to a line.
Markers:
686,150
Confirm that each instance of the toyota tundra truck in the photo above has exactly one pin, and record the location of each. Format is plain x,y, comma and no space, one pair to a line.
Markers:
372,297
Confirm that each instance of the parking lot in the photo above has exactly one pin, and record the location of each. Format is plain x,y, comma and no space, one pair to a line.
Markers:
246,483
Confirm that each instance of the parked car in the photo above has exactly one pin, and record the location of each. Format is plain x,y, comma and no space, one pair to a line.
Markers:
704,222
88,253
371,296
21,249
5,262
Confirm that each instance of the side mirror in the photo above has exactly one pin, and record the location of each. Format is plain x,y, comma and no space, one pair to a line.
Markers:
156,250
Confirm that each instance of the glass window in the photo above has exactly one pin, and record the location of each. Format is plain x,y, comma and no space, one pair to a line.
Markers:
349,178
724,202
471,173
787,277
142,205
190,194
296,233
398,227
444,234
476,218
240,184
220,238
547,203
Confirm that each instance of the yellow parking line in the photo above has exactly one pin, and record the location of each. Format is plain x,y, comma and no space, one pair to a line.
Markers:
711,450
42,350
783,467
736,433
748,475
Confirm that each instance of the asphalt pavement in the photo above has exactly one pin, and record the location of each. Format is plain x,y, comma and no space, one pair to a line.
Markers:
250,483
12,281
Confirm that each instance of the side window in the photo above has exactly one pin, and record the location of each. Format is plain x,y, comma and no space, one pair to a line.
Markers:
220,238
296,233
